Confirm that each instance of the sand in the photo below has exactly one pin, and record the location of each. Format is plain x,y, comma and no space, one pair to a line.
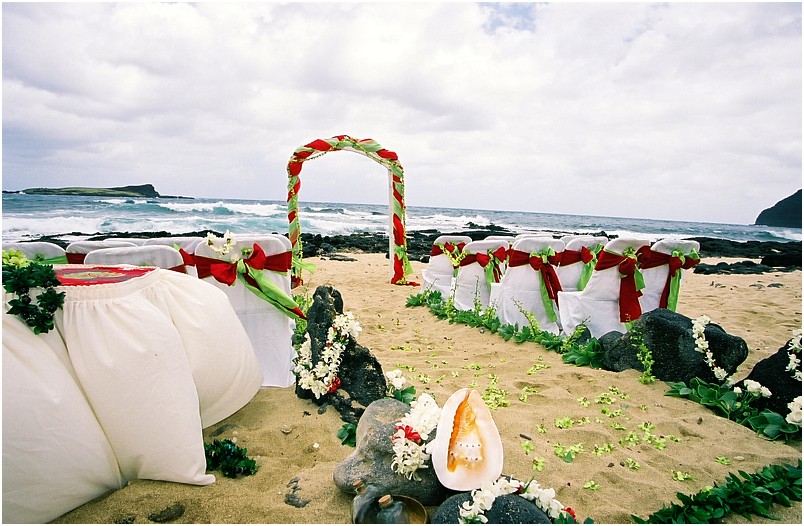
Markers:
449,357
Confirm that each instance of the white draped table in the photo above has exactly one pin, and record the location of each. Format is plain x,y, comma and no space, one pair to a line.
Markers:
141,360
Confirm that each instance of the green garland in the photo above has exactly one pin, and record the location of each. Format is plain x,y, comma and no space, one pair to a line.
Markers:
753,494
229,458
19,277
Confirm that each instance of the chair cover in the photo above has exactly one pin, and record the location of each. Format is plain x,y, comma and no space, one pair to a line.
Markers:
480,268
662,266
530,283
600,304
145,256
269,329
578,261
188,243
136,240
56,457
440,272
78,250
43,251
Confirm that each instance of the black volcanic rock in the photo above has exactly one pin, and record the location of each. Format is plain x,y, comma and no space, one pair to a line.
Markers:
786,213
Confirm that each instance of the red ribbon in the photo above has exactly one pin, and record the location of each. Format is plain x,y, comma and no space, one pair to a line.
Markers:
226,272
75,258
483,259
630,309
574,256
650,259
517,258
411,434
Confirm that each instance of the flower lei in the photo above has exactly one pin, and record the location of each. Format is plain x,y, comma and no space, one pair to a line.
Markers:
702,346
794,416
323,377
412,433
20,275
794,347
483,499
221,246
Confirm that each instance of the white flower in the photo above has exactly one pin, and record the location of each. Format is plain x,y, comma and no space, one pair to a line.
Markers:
738,390
483,499
396,379
794,417
756,388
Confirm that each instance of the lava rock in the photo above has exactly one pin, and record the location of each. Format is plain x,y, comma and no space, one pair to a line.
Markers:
772,373
507,509
669,337
373,454
171,513
361,375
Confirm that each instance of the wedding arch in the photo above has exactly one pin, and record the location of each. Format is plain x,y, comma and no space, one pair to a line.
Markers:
397,244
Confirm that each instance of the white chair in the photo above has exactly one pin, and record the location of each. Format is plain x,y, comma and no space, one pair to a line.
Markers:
42,251
78,250
135,240
141,255
440,272
662,267
531,276
478,270
533,234
188,243
269,328
578,260
609,299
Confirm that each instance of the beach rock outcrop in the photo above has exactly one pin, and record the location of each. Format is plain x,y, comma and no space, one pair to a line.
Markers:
773,373
507,509
361,376
371,460
786,213
668,336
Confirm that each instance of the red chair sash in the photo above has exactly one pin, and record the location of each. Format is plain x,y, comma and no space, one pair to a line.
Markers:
574,256
75,258
500,255
630,309
651,259
226,272
517,258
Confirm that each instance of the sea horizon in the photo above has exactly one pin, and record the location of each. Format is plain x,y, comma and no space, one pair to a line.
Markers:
74,217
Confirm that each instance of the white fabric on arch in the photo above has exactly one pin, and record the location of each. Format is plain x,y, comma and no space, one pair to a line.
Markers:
599,303
522,285
130,359
56,457
269,329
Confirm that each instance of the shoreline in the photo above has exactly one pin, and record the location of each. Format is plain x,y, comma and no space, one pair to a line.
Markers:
294,480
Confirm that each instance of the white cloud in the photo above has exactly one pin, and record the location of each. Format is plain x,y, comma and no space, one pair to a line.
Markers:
669,111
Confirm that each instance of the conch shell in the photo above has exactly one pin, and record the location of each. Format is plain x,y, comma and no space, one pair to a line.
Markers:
467,450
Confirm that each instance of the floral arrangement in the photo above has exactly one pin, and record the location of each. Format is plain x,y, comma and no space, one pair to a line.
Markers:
20,275
222,246
397,389
412,434
483,499
794,416
322,378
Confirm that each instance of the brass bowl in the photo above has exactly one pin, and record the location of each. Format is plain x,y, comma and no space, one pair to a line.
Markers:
416,512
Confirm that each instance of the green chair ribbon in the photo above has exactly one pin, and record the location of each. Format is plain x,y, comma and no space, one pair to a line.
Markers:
588,267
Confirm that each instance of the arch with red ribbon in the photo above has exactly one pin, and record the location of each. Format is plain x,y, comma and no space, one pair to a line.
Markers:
397,249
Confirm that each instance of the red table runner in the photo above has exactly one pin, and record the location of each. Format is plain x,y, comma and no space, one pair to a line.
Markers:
77,276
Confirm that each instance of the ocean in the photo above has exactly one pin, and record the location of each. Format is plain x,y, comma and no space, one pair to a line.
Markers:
77,217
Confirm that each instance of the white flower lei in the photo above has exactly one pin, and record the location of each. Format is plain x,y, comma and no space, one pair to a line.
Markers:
221,246
411,435
794,417
795,363
483,499
320,378
702,346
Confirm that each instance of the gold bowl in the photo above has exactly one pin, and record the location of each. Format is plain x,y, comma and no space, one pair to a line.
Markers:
416,512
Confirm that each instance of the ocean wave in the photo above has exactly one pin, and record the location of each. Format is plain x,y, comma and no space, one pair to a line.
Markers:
226,208
321,209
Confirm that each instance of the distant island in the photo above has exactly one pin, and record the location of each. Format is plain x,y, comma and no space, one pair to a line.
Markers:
143,190
785,213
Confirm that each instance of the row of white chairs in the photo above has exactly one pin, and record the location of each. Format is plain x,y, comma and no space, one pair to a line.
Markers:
269,330
560,293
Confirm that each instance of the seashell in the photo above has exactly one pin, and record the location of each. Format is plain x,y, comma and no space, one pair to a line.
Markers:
467,450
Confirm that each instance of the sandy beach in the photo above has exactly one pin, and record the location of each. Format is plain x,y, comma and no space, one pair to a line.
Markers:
280,430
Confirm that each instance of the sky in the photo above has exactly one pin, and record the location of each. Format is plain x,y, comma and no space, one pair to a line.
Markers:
675,111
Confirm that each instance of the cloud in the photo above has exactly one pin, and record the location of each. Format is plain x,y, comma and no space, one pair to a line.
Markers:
669,111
